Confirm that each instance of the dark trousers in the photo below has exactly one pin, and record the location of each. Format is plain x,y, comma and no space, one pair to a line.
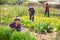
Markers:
47,12
32,17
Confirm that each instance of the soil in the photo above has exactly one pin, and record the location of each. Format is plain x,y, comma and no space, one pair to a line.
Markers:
47,36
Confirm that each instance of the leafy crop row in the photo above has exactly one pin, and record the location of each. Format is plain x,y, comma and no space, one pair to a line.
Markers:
8,34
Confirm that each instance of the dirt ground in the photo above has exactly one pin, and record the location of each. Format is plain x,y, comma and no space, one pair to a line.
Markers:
47,36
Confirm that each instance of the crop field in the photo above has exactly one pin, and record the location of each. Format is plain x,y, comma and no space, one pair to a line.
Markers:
41,25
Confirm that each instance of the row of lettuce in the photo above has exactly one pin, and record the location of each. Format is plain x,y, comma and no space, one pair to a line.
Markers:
7,33
39,27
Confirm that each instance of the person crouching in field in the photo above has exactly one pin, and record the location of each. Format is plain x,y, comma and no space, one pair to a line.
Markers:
47,6
31,13
16,25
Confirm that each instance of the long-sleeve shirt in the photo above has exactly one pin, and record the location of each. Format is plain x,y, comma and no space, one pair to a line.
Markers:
18,27
32,11
47,7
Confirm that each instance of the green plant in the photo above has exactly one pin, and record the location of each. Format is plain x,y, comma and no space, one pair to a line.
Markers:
38,27
46,27
5,33
58,28
6,21
21,36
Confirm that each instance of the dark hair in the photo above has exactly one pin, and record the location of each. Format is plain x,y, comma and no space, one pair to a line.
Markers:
17,19
46,3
